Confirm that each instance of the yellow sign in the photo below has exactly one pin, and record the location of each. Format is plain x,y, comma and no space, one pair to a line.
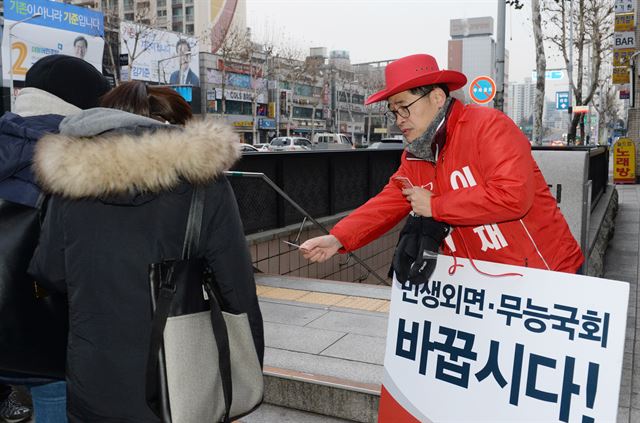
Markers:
620,75
272,110
624,161
622,56
379,130
243,123
624,22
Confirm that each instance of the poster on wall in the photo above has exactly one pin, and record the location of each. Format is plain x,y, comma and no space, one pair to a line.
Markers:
469,346
160,56
60,29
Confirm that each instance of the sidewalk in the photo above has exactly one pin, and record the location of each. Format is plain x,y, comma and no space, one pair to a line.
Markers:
621,263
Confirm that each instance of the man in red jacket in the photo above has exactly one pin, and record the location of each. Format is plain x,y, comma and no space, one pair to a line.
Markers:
470,167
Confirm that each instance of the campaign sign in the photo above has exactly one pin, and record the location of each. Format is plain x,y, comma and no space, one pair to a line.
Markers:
482,89
533,345
60,29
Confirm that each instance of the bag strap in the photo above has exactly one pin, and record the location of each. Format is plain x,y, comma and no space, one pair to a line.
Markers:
224,353
166,292
194,223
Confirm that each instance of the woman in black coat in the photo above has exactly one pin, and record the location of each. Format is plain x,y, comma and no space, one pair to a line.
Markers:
122,186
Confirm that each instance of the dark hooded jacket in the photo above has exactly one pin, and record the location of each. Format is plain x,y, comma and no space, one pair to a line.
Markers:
122,187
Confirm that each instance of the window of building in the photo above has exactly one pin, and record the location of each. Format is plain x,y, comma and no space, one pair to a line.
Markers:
161,3
162,13
177,12
188,11
128,16
177,27
189,29
128,4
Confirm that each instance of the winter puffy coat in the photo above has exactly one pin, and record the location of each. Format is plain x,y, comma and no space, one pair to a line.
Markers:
485,184
37,113
121,200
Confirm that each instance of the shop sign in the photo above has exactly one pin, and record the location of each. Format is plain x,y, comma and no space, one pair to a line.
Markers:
624,22
620,75
624,39
622,56
624,161
243,123
244,96
379,130
235,67
622,6
267,124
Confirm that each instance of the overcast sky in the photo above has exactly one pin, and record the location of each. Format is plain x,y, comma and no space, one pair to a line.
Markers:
386,29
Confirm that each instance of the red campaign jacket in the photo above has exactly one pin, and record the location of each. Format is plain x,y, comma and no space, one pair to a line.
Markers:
488,187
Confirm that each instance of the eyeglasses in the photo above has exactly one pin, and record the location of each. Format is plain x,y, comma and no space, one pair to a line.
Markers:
403,111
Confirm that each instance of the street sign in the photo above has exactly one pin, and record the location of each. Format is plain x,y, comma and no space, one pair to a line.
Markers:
550,74
620,75
624,40
482,89
562,100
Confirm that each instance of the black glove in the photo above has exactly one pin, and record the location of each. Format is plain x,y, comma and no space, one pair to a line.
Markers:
416,254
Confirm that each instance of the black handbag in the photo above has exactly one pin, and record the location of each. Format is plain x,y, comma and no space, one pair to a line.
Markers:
33,325
202,364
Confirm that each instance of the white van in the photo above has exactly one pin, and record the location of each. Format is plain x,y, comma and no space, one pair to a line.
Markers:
328,141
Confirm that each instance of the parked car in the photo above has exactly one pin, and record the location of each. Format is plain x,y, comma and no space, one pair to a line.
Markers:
289,144
328,141
387,144
247,147
262,146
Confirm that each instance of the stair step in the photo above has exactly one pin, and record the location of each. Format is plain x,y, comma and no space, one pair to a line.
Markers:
321,394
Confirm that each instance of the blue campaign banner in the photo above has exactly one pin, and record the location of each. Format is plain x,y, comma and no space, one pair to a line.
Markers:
56,15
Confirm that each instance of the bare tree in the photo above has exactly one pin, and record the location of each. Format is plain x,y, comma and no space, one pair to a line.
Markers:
593,32
606,105
231,47
541,69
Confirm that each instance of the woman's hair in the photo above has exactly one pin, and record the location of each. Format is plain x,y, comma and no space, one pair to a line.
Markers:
157,102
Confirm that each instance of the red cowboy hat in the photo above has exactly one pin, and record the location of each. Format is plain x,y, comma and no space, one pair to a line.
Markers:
415,71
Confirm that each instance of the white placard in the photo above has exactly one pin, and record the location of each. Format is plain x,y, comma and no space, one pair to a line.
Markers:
467,347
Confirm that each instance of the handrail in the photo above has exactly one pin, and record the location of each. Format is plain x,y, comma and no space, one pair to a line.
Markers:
302,211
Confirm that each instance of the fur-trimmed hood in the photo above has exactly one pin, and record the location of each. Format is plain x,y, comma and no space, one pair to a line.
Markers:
139,157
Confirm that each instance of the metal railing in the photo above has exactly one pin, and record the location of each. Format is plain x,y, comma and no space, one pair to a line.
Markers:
303,212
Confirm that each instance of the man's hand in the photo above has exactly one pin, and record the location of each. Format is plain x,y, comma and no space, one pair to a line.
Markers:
321,248
420,200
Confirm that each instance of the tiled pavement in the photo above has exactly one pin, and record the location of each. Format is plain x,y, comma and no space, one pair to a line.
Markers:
622,263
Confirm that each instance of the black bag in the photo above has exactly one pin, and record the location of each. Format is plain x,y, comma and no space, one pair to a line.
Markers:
196,349
33,325
416,254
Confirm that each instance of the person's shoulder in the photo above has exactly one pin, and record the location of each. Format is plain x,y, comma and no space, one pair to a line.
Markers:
476,113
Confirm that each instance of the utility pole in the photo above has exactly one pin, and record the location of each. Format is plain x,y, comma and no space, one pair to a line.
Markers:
498,101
